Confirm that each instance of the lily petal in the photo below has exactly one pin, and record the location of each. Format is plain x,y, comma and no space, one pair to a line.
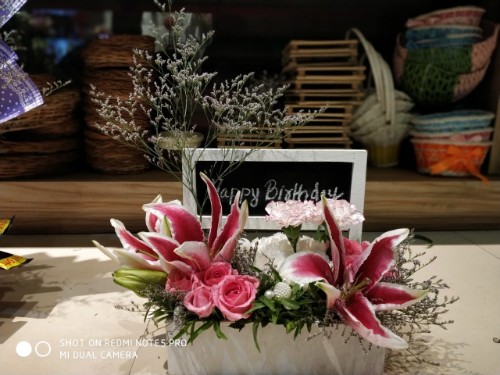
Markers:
183,225
195,254
131,242
380,256
161,245
168,267
359,314
336,243
225,243
129,258
152,221
216,207
355,256
332,294
306,267
388,296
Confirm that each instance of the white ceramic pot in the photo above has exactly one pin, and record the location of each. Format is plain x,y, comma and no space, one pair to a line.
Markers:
279,354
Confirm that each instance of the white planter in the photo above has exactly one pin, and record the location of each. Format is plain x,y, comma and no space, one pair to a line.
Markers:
279,354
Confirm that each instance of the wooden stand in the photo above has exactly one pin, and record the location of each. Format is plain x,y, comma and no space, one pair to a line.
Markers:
324,76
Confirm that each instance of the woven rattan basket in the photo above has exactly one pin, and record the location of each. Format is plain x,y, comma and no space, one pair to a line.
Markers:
38,147
382,142
105,154
110,81
449,158
63,129
116,51
17,166
444,75
57,108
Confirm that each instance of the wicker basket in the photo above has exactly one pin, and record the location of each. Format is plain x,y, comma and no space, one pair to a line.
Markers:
382,142
460,59
462,15
449,158
116,51
430,85
444,75
58,108
63,129
478,135
453,121
107,155
110,81
17,166
38,147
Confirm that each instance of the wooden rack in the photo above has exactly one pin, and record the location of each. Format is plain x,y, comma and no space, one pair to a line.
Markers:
323,77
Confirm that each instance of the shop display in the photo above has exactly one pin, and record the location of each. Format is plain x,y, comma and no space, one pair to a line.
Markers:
443,56
452,143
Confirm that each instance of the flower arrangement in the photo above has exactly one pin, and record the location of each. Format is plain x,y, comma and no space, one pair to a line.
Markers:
194,281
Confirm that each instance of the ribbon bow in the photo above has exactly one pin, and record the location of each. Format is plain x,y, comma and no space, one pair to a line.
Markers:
457,155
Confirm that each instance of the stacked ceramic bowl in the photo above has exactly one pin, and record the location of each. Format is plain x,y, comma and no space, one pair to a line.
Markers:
442,56
451,143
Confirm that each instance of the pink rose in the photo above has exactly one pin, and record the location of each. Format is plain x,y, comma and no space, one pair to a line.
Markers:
234,296
200,301
214,274
179,281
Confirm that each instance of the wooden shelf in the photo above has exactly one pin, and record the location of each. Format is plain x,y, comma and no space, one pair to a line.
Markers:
84,202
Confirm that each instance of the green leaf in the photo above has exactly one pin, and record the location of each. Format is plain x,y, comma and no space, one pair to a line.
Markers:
255,327
298,329
268,302
256,306
274,317
202,328
290,326
289,303
182,331
276,274
218,331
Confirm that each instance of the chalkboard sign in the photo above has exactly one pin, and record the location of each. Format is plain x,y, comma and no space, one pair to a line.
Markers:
278,175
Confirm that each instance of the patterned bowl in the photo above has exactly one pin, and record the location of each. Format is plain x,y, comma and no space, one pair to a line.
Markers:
453,121
441,32
462,15
479,135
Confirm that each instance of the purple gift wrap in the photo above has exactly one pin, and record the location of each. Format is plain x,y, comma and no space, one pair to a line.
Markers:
18,93
7,55
8,8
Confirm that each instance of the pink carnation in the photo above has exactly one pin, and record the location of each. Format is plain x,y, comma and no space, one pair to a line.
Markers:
291,213
346,214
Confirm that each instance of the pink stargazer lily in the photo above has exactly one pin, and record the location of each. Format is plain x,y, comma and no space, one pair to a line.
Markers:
176,239
353,283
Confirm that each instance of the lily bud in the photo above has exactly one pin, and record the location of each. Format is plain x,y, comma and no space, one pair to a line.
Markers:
137,280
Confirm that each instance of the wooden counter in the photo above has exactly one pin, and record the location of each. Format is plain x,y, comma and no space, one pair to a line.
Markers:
84,203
